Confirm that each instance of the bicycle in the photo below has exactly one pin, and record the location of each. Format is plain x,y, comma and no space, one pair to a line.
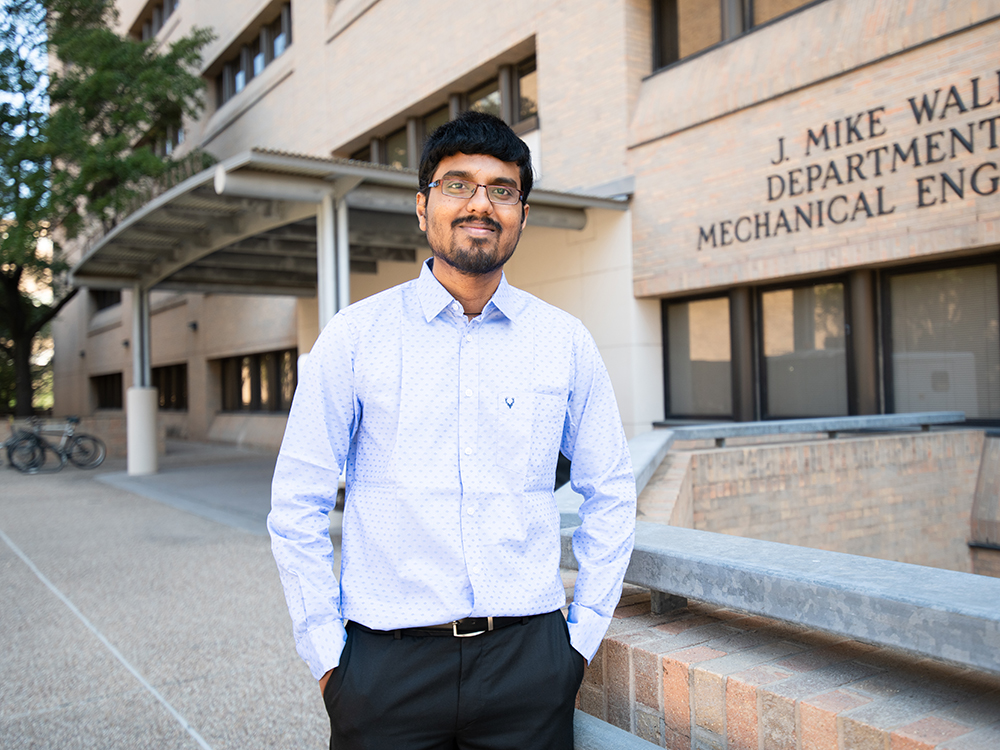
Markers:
27,450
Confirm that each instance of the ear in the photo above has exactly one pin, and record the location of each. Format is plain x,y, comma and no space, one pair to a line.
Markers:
524,215
422,211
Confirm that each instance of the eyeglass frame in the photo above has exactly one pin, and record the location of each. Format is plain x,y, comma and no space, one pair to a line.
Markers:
520,193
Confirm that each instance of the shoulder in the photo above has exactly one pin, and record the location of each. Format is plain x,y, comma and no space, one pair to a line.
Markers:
537,312
361,319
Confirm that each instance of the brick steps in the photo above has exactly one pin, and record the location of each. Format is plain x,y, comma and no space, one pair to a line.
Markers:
706,678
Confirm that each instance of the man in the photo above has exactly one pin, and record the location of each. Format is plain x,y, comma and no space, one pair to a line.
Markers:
449,398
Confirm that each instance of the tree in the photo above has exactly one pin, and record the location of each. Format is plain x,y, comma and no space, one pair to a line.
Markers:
77,144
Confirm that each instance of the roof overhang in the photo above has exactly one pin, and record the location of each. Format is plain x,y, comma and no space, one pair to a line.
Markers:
248,225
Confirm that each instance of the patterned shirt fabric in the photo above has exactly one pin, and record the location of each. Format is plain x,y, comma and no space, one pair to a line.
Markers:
450,430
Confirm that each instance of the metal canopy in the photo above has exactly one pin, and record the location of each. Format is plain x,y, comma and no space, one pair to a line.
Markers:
249,226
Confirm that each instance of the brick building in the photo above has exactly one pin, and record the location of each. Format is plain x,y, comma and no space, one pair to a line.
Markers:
760,208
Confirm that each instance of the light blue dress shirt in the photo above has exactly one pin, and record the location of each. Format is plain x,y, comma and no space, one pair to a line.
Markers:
450,430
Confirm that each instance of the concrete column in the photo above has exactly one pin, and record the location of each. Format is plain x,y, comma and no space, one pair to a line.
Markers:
508,93
141,374
741,341
326,260
142,402
864,347
142,406
343,254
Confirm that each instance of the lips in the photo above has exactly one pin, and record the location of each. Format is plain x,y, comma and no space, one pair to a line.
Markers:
478,226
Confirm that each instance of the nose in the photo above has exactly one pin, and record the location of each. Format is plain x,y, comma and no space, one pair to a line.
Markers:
480,201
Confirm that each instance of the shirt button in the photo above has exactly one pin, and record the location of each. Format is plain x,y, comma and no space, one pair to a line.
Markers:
475,571
471,510
468,451
468,391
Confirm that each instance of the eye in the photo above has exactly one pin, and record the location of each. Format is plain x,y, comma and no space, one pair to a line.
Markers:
455,185
500,191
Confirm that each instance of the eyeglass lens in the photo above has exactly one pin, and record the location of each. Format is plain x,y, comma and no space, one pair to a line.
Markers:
496,193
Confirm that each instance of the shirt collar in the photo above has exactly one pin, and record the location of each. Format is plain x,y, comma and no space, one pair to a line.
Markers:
434,297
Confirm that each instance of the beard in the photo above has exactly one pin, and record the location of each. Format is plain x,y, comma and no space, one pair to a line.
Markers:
479,256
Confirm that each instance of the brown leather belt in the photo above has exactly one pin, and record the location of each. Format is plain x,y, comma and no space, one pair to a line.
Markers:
464,628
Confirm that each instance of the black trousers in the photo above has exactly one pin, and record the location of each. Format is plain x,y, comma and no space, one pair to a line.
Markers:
510,689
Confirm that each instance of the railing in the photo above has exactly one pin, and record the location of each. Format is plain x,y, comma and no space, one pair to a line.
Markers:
928,612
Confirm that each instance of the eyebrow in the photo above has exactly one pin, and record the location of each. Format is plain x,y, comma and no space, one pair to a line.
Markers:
462,175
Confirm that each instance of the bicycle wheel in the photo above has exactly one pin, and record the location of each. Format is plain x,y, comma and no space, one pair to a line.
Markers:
26,454
86,451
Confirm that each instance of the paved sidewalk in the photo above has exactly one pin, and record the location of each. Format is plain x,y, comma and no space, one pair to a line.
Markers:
131,622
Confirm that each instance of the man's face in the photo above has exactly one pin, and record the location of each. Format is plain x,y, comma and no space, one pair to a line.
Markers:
472,235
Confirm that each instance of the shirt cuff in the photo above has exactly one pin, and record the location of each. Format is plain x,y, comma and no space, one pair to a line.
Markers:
321,647
586,629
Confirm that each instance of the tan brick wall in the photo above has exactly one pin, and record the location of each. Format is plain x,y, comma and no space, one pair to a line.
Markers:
986,562
710,183
705,677
880,496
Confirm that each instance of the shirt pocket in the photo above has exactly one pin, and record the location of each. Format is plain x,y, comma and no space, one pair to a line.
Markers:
519,415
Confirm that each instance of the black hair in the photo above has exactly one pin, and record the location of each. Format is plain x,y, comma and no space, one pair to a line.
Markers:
475,133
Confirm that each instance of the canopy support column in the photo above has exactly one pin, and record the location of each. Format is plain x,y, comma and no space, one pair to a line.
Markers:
326,260
141,401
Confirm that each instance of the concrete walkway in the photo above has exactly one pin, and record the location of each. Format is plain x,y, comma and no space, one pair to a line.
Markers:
147,612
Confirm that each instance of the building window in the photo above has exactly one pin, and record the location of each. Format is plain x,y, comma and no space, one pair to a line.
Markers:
682,28
805,351
512,96
105,298
527,91
486,98
699,357
945,341
152,19
107,391
239,67
396,151
259,382
171,382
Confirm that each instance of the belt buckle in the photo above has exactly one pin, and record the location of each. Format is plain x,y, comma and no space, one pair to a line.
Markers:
454,629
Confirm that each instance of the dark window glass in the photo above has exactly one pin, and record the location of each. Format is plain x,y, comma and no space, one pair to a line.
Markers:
171,383
364,154
527,90
946,341
395,149
699,372
104,298
805,351
259,382
107,391
665,33
435,119
486,98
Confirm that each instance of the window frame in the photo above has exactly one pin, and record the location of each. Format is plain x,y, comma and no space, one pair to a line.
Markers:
761,361
885,312
665,303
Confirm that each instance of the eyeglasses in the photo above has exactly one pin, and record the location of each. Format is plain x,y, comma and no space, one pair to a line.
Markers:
502,195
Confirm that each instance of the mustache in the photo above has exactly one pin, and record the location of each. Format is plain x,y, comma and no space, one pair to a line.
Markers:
484,220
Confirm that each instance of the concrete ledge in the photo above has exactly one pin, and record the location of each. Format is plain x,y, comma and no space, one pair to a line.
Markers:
590,733
929,612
